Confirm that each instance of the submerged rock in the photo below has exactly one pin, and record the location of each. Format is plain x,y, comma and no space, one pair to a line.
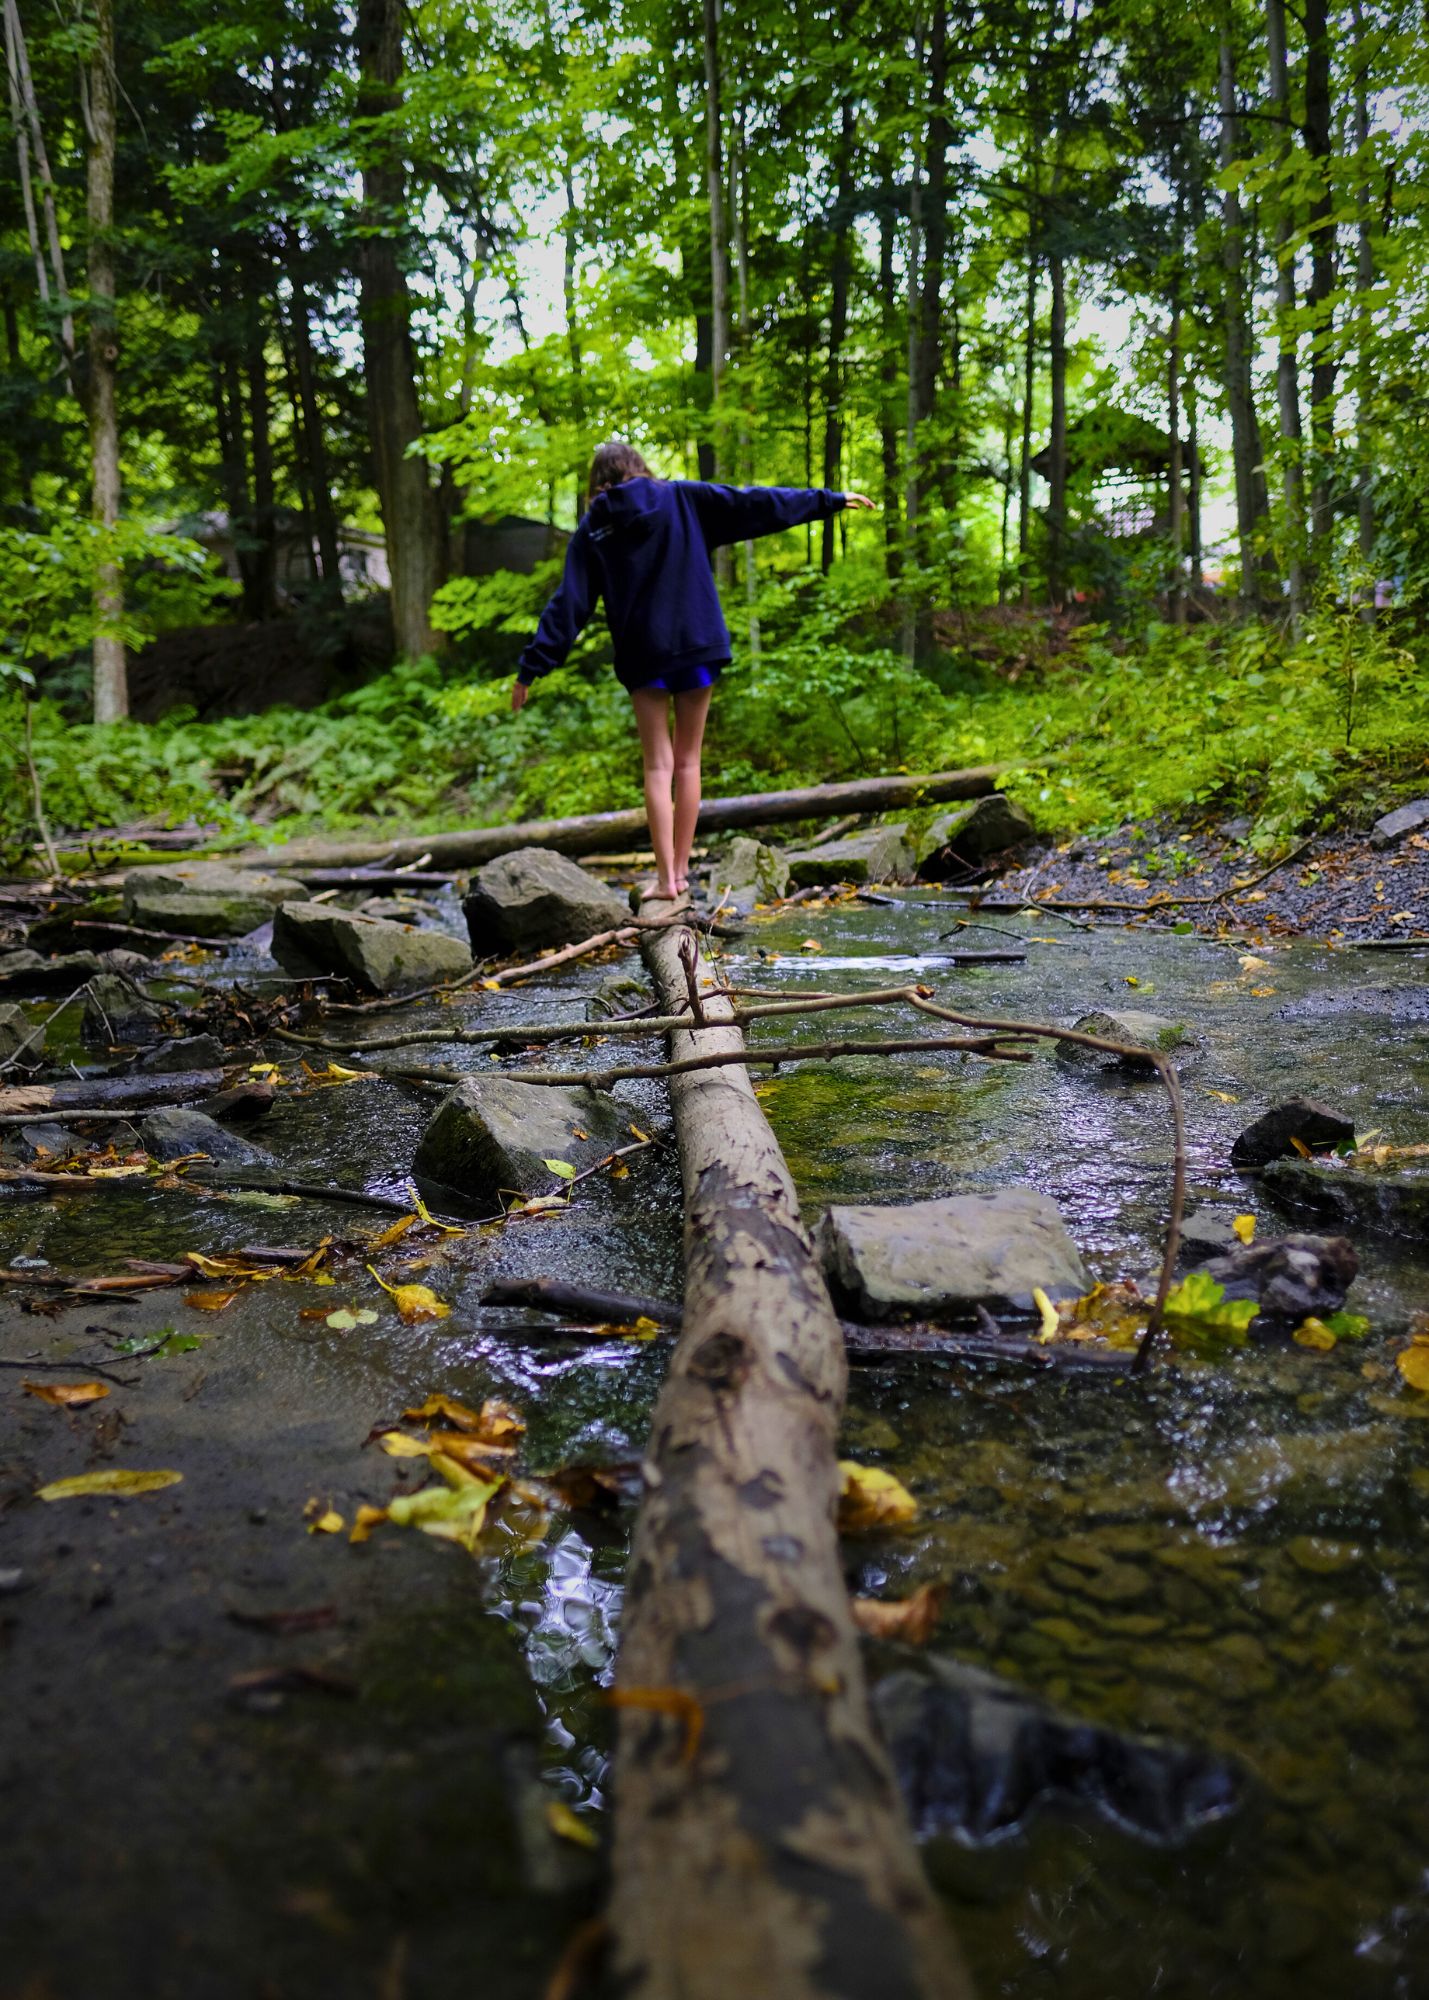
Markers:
18,1033
1395,826
975,1756
881,854
1273,1134
1291,1277
534,898
618,995
1392,1200
969,833
381,957
492,1136
949,1255
178,1130
205,898
1124,1024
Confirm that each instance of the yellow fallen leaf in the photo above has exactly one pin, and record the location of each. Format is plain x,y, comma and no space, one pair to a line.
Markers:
1301,1148
491,985
911,1619
1249,963
872,1498
451,1513
262,1069
1261,992
495,1421
323,1520
1413,1365
811,944
386,1237
425,1214
1222,1096
225,1267
367,1518
66,1395
643,1137
619,1171
413,1302
1244,1228
115,1481
1047,1313
115,1173
633,1329
212,1302
397,1444
1314,1333
567,1825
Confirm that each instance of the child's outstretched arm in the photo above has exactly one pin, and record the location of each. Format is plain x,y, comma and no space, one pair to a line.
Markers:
562,621
740,513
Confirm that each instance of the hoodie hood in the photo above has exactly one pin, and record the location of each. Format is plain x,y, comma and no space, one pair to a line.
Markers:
629,510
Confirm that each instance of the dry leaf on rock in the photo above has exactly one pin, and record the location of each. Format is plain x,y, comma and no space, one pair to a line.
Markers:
911,1619
117,1482
567,1825
451,1513
323,1518
1244,1228
1413,1365
413,1302
495,1421
212,1302
66,1395
872,1498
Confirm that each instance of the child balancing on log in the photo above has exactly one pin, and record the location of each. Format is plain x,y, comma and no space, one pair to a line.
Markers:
644,545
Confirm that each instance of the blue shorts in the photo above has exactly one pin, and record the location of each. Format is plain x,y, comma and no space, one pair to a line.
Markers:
684,680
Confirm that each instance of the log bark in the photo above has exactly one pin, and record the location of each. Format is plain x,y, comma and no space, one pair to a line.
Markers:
107,1092
595,833
749,1783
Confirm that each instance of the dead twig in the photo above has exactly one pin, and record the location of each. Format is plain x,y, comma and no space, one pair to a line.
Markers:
13,1058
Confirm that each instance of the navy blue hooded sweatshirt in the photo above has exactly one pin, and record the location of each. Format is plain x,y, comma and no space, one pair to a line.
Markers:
644,547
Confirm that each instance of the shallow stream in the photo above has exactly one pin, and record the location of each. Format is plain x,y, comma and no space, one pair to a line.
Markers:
1232,1554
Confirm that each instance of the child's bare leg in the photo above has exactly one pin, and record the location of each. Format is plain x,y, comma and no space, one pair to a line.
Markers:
691,710
652,717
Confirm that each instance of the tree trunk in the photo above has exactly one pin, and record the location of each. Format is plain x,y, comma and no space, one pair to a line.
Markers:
1364,332
571,243
741,264
25,110
1319,144
1240,400
912,494
1193,446
411,524
1287,361
601,833
111,686
264,577
749,1781
719,235
1024,466
838,318
929,357
1057,441
1176,497
888,382
324,521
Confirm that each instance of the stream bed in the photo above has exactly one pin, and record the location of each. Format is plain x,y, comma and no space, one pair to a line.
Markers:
1231,1554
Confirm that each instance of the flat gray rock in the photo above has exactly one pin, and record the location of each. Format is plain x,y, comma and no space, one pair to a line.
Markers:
205,898
1392,1201
1396,826
380,957
178,1130
933,1257
491,1137
1124,1024
881,854
534,898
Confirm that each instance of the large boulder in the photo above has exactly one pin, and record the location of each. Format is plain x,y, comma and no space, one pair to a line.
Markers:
491,1137
179,1130
20,1038
1393,1200
1318,1127
1122,1024
311,938
879,854
534,898
1398,825
929,1258
967,834
206,899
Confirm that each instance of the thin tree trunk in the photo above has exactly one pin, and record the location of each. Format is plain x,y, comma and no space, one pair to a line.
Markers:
1057,440
1287,361
111,689
571,244
749,1781
1240,400
719,234
1024,467
930,317
1319,143
23,101
264,521
1364,331
911,493
838,317
324,522
888,382
1193,448
1176,504
411,524
741,265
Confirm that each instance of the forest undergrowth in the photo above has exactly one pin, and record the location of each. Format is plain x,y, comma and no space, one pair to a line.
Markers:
1299,733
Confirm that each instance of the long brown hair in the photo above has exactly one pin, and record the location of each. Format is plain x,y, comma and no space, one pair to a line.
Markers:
615,461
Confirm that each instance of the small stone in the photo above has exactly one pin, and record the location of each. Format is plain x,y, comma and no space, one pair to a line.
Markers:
205,898
1394,826
18,1033
534,898
184,1052
881,854
1205,1234
1290,1277
1129,1024
491,1137
380,957
1318,1126
934,1257
115,1013
176,1131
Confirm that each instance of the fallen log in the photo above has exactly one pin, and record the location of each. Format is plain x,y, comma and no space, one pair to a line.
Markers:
129,1093
596,833
749,1782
